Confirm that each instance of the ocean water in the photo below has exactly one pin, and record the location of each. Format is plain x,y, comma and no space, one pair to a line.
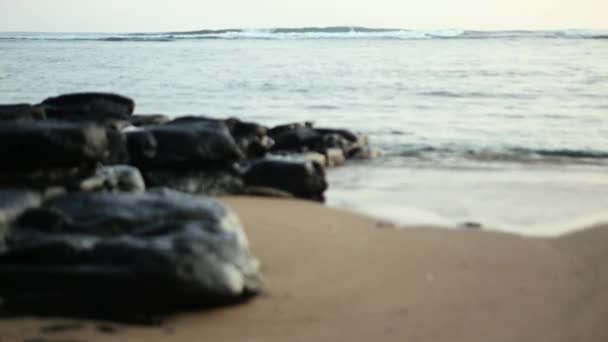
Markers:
508,129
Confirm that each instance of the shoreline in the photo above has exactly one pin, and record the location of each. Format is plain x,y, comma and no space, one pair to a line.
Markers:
545,202
330,275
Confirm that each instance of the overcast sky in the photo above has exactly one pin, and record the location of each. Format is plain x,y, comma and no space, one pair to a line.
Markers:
151,15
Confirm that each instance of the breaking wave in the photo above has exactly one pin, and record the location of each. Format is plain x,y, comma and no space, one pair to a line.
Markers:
337,32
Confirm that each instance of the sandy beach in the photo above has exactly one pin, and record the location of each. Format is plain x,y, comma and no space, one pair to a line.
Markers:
330,275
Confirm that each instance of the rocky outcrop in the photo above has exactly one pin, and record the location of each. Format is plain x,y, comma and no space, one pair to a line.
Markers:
109,252
79,233
194,154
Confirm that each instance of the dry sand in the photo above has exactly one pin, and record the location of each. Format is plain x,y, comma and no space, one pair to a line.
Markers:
334,276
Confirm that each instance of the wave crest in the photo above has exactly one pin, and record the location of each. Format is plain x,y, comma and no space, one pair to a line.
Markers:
505,155
336,32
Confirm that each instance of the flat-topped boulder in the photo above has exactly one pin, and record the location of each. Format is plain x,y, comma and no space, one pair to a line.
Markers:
111,252
301,178
188,144
95,106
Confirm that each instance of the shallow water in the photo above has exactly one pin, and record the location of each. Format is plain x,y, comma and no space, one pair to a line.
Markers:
510,131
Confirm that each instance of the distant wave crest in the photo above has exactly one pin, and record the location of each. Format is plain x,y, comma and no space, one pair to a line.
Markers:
337,32
513,154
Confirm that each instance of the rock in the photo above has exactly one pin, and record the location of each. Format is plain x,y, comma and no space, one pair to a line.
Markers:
47,145
299,139
192,144
118,152
314,157
114,178
148,119
303,138
89,107
335,157
288,127
302,179
251,137
209,182
13,202
111,253
348,135
142,146
21,112
45,179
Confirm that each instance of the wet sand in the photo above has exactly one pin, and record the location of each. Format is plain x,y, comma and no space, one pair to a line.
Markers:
330,275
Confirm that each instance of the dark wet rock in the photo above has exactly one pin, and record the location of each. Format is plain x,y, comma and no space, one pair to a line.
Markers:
303,138
192,144
89,106
53,192
346,134
13,202
302,179
251,137
21,112
118,152
298,139
47,145
207,182
45,179
142,146
288,127
123,178
111,253
139,120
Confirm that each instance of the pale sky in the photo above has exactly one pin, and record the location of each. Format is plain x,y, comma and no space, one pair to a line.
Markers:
151,15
